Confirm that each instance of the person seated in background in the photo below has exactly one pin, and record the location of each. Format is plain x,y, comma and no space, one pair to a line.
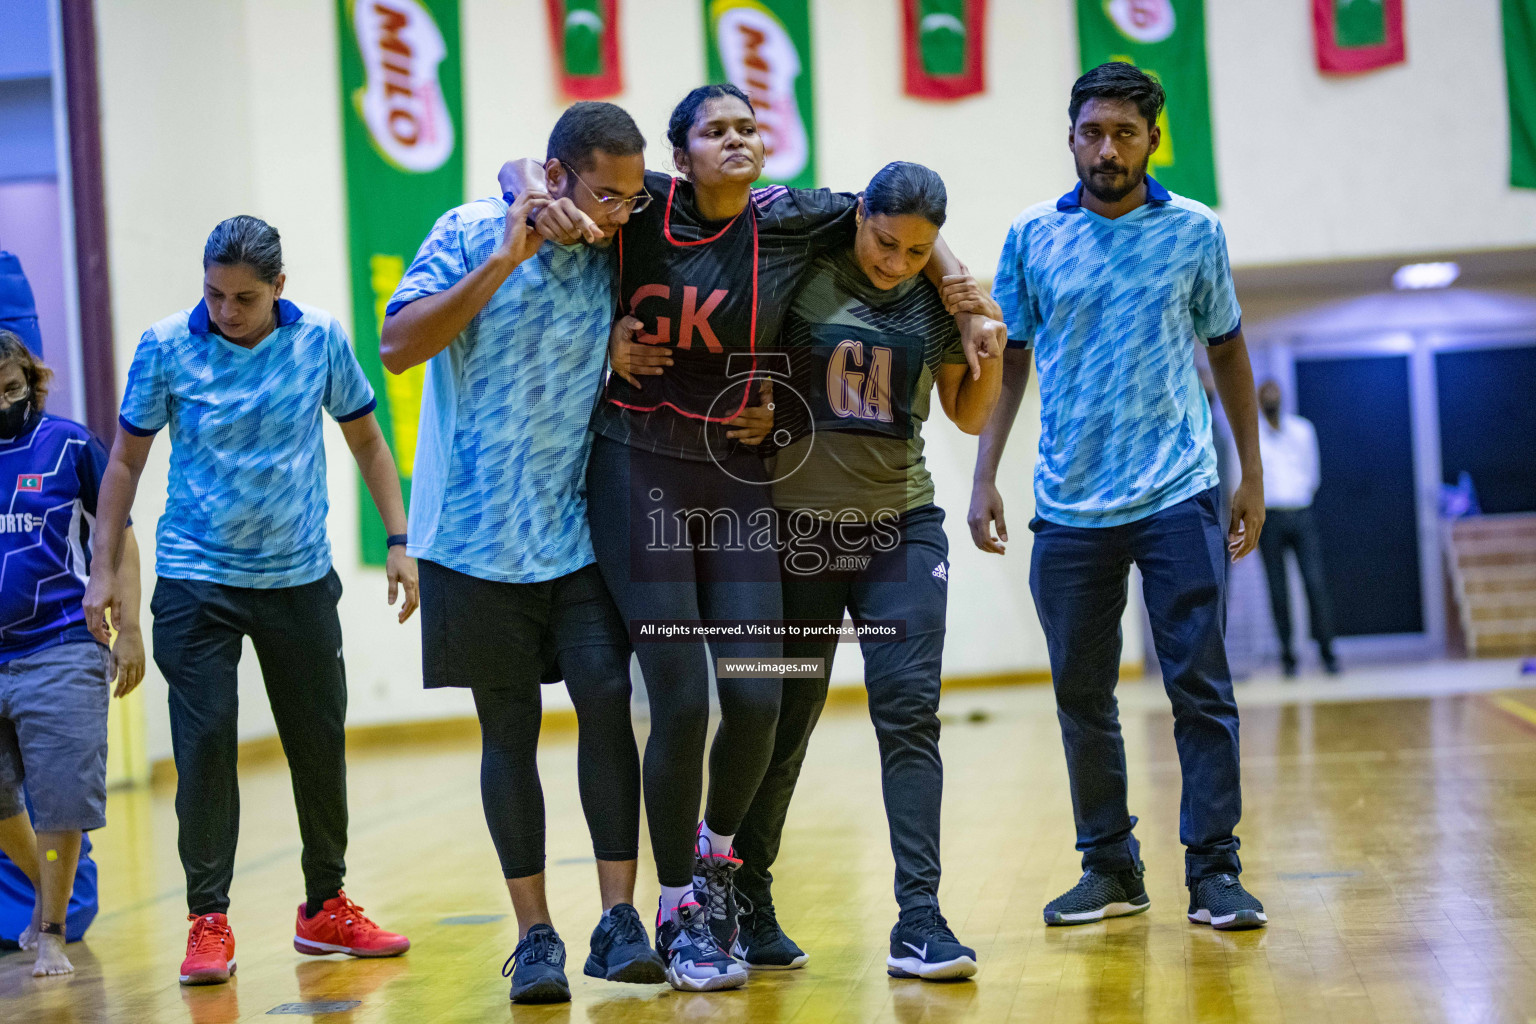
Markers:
1288,448
54,676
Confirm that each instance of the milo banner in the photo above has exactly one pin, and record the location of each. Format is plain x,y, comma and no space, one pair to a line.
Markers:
1165,38
401,117
764,48
1357,35
1520,68
944,48
584,36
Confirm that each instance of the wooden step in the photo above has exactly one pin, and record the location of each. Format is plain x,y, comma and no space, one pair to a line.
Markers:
1518,524
1502,611
1474,559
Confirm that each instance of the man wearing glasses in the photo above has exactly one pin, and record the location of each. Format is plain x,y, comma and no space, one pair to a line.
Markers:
514,334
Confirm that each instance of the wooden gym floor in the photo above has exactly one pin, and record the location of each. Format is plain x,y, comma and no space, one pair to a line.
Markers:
1393,842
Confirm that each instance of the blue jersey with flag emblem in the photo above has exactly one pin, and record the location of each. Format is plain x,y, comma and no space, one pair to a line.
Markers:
1113,310
49,478
247,500
499,486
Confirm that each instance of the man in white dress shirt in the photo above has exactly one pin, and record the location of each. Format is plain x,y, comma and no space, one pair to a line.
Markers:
1288,448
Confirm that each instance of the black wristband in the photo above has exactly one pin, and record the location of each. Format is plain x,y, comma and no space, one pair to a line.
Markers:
396,540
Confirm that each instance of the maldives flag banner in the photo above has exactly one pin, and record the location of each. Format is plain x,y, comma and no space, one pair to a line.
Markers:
584,38
1166,39
1357,35
1520,67
763,47
944,44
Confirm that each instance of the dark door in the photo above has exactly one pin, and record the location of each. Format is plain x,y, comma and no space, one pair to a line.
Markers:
1365,507
1487,400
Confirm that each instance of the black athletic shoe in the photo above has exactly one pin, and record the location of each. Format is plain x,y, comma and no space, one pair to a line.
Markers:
621,951
922,946
714,884
694,961
537,968
1221,902
1098,895
762,944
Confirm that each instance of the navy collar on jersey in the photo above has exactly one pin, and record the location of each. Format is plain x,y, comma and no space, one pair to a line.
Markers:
198,322
1155,194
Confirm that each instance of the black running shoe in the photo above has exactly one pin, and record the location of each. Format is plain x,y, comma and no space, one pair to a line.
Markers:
714,884
1098,895
621,951
537,968
922,946
694,962
1221,902
762,944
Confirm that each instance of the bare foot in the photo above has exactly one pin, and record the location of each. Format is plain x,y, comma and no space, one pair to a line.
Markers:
50,957
28,939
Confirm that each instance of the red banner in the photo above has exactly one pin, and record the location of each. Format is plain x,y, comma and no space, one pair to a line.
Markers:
584,38
1357,35
945,44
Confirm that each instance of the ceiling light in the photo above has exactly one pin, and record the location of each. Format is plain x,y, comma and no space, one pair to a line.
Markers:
1414,276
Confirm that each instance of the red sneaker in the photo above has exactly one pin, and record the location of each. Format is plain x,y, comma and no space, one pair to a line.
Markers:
210,951
340,927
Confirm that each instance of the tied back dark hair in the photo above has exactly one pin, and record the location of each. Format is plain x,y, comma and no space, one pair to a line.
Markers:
592,125
687,110
248,240
905,188
1118,80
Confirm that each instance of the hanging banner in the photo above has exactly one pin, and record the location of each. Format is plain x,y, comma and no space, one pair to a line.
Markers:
944,43
1166,39
763,47
1357,35
584,38
1520,68
401,109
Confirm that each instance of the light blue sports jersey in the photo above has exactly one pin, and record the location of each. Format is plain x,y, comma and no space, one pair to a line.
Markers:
1113,309
499,490
247,499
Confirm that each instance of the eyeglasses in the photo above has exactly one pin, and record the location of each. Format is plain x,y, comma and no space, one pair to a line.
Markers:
613,204
16,393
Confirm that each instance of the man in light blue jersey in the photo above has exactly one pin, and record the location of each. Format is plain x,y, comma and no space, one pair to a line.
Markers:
1111,287
514,332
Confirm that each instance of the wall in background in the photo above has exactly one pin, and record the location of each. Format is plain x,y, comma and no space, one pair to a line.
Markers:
1407,160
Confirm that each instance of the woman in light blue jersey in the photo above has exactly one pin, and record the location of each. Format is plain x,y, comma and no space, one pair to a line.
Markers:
241,551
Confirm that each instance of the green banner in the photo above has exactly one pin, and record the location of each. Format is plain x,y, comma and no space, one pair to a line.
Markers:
401,112
1520,67
1165,38
764,48
1359,23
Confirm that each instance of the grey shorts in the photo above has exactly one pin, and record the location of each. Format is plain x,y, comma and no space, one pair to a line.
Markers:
53,735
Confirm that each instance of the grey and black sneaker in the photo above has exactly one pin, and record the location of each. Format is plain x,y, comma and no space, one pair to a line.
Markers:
922,946
537,968
762,944
715,886
1098,895
621,951
694,962
1221,902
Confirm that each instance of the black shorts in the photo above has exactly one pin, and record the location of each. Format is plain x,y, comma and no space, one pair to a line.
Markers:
489,635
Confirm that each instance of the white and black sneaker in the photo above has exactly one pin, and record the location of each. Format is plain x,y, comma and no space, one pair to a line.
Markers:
922,946
1221,902
1098,895
694,962
762,944
714,883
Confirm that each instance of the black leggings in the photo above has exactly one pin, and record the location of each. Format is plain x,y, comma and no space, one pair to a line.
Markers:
607,767
672,539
